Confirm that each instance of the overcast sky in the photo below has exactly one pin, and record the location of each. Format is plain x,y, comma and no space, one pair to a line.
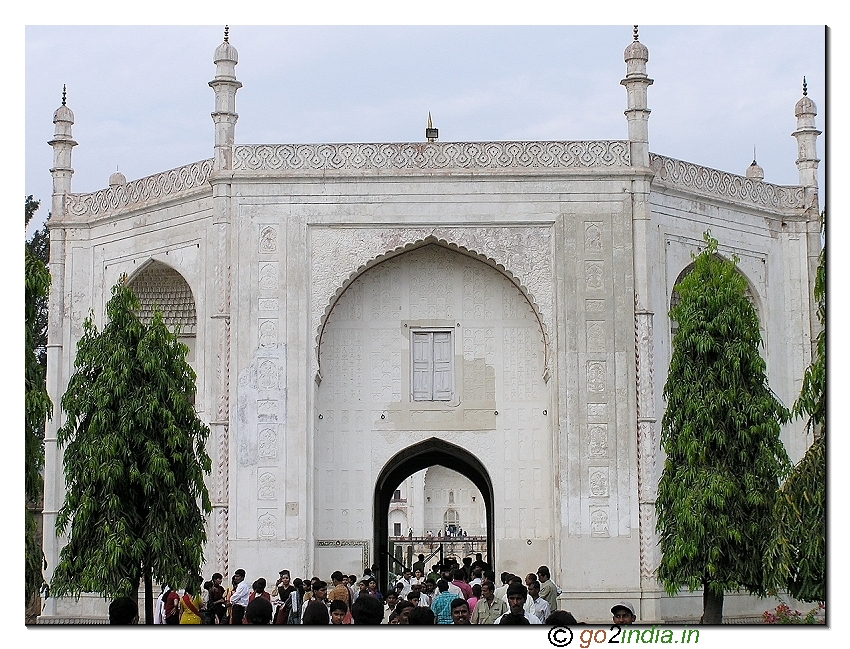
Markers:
142,104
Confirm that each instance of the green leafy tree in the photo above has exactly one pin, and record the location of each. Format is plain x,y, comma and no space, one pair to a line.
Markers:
720,432
797,560
37,405
134,460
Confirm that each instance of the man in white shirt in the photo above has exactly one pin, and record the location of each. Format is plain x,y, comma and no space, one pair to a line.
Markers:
541,606
502,590
406,582
517,594
239,598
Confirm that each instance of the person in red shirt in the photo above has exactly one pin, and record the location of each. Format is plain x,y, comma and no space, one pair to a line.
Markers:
458,581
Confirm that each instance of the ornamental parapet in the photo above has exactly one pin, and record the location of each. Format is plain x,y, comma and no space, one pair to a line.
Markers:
711,182
151,188
436,156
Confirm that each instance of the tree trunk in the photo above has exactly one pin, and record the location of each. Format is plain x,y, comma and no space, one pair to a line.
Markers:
712,606
148,595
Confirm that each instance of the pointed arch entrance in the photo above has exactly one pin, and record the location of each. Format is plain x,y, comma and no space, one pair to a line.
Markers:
430,452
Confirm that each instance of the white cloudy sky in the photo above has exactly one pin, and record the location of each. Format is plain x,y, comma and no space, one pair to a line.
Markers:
142,103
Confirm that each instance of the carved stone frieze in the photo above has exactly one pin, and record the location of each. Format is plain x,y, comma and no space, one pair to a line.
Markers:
592,236
268,276
648,542
522,253
431,156
267,487
268,333
151,188
268,240
598,482
593,274
266,526
598,441
599,522
267,442
646,439
670,171
222,544
595,336
596,377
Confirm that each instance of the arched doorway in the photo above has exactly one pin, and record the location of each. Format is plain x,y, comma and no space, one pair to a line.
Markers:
432,343
430,452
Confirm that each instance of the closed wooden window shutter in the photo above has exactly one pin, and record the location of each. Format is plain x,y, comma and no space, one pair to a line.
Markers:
442,366
433,372
422,366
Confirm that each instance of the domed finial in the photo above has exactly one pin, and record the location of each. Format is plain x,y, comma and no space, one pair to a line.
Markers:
636,33
754,171
226,33
63,94
805,90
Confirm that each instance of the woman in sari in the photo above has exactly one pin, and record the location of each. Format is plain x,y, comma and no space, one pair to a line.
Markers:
190,606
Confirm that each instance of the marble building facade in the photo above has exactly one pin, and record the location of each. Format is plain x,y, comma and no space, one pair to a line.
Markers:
355,310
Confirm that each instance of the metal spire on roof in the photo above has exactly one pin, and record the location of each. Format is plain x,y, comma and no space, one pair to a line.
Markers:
226,33
431,133
805,90
63,94
636,33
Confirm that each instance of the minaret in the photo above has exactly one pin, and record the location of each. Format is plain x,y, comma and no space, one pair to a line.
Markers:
62,144
754,171
225,86
637,114
807,136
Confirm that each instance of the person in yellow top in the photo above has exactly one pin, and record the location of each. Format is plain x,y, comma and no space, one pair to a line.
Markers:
190,605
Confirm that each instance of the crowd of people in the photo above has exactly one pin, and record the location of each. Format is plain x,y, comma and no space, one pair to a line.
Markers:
451,593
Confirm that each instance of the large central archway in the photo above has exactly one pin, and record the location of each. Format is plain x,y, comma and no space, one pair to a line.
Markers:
419,456
432,344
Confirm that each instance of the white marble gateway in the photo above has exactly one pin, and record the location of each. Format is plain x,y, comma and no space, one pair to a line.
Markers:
359,312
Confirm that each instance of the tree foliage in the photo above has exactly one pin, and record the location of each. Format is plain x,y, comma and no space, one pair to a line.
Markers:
134,460
797,560
720,433
37,405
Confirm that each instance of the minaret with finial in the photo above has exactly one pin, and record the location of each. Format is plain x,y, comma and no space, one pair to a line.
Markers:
225,86
637,113
807,137
62,143
754,171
